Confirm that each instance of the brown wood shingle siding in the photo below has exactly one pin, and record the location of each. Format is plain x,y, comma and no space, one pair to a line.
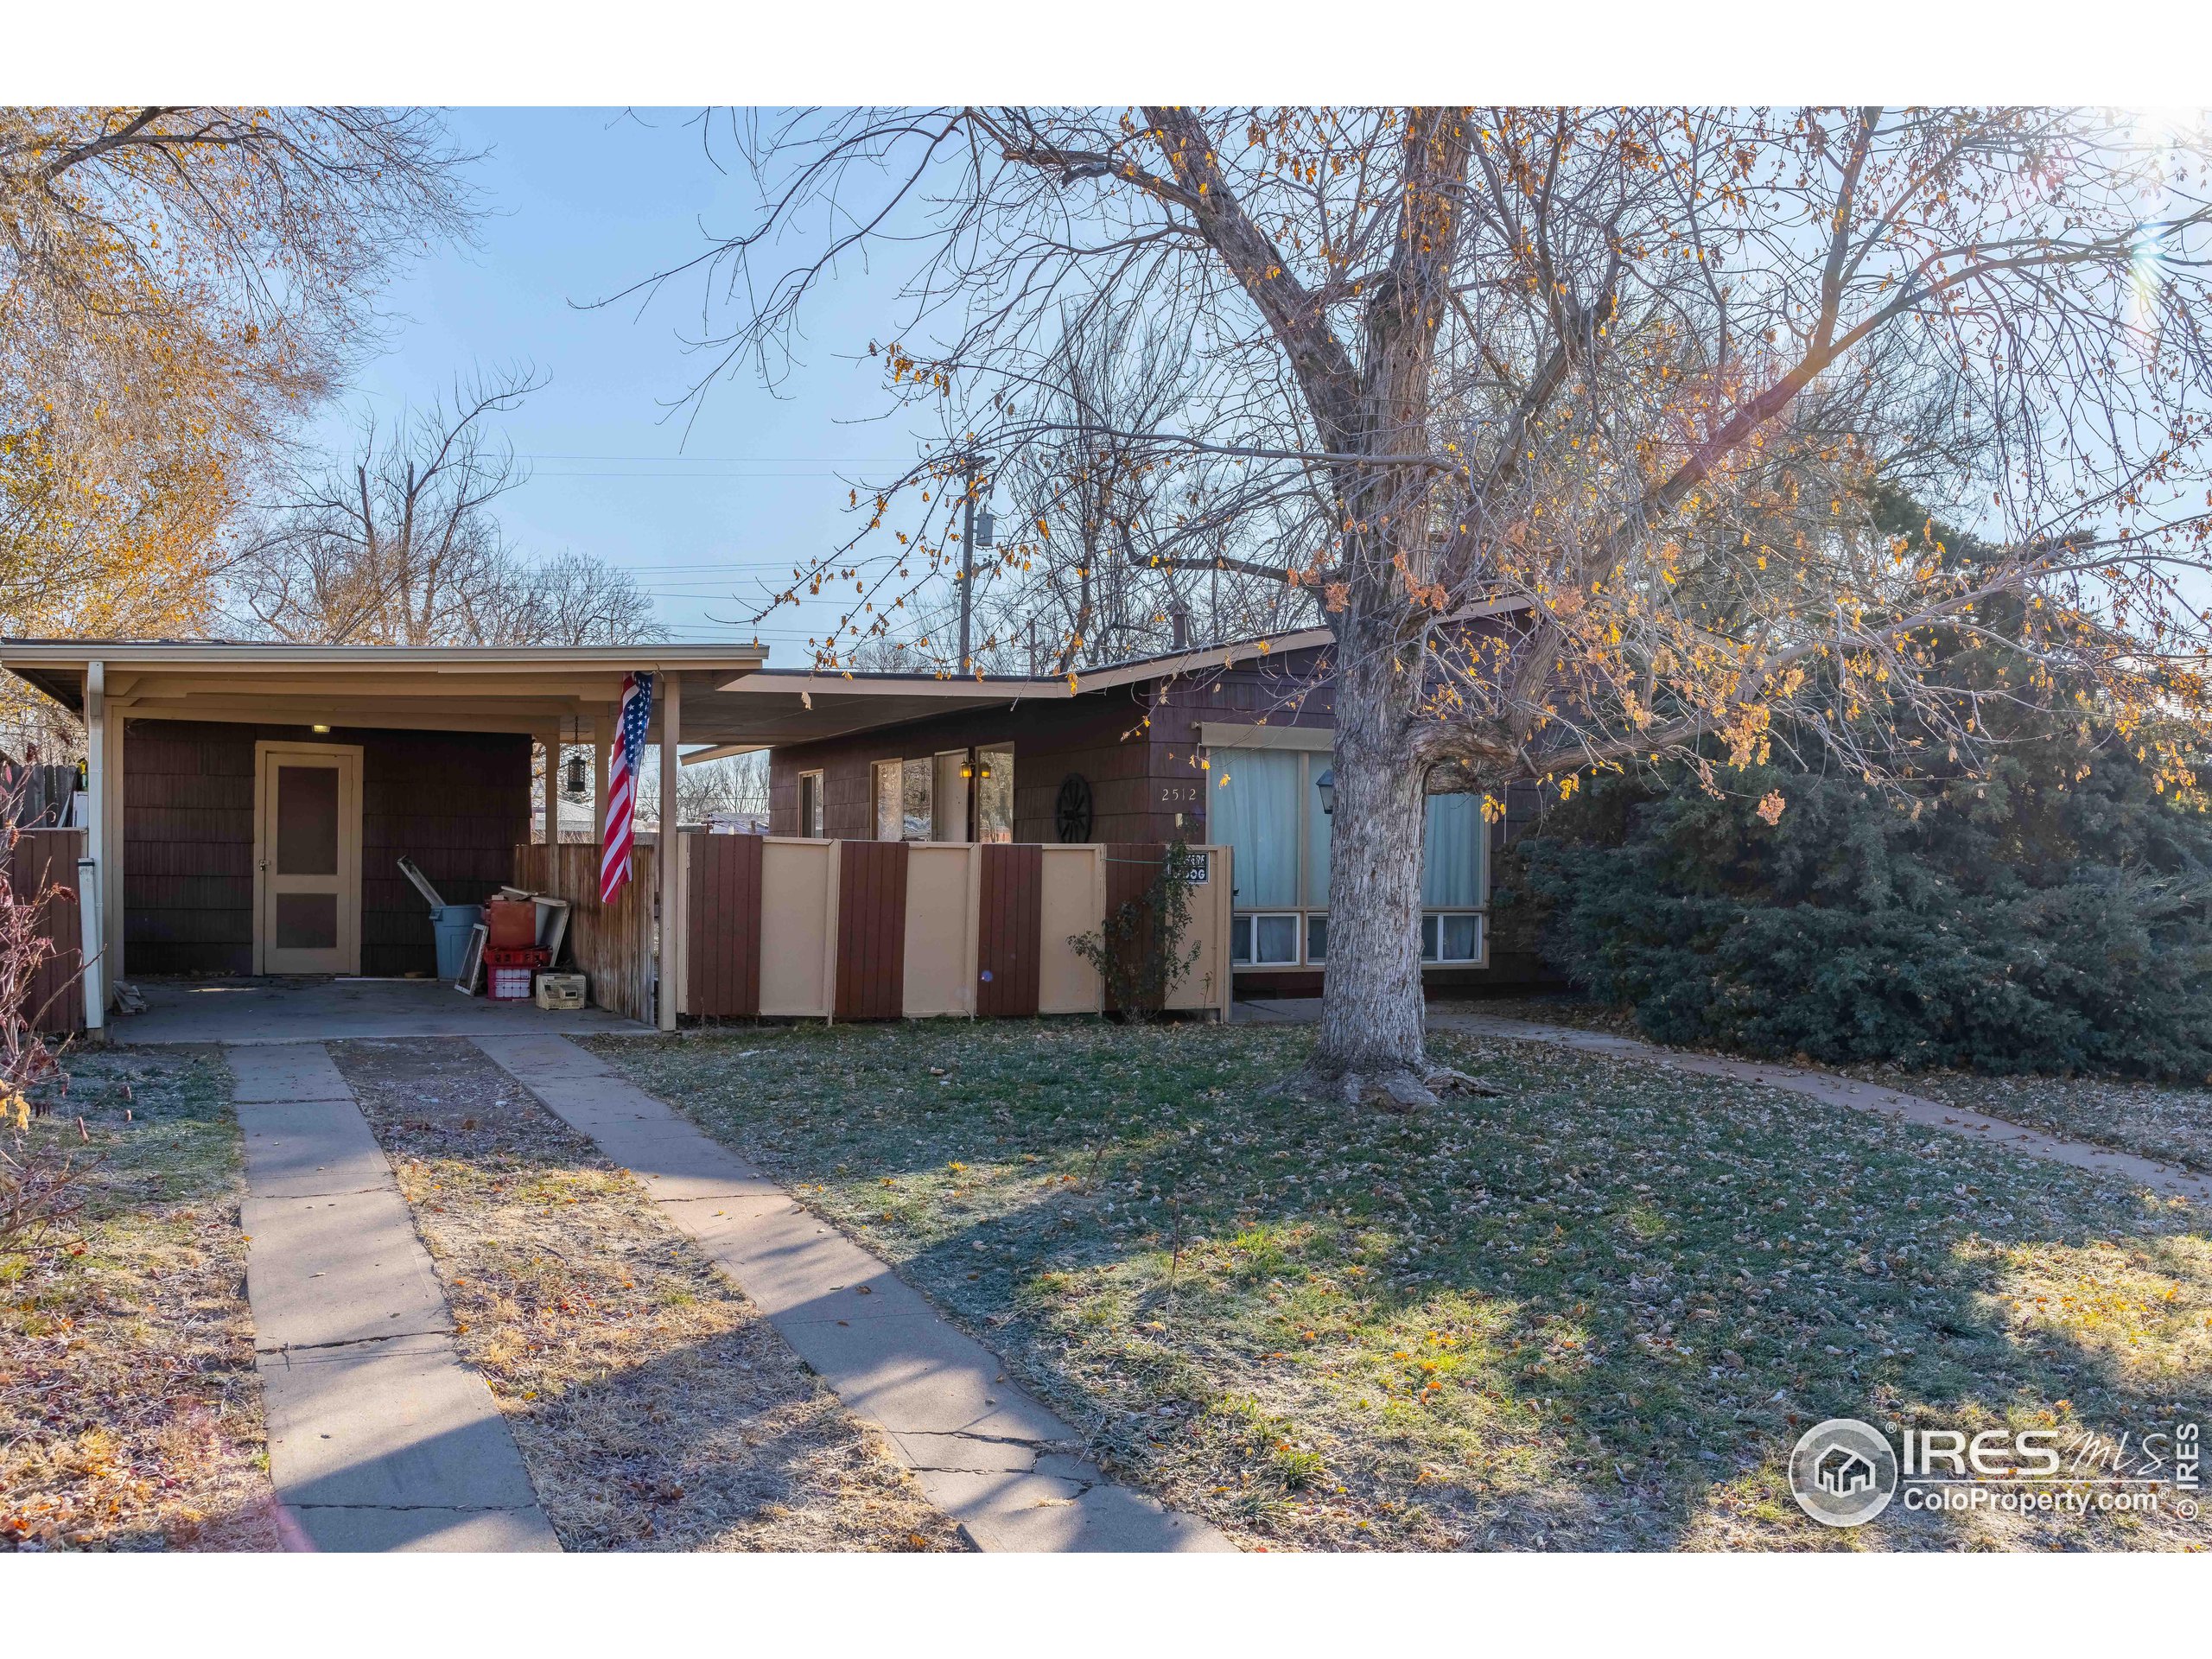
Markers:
455,801
871,930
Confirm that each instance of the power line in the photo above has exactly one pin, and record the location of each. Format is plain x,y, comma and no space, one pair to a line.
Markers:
794,461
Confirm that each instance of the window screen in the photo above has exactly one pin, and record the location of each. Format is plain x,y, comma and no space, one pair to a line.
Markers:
916,820
888,774
994,795
307,820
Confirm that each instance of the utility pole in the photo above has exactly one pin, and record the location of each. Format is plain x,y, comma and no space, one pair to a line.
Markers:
974,465
968,569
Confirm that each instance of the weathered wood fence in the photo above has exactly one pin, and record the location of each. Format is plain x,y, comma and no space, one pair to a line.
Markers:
866,930
614,944
45,861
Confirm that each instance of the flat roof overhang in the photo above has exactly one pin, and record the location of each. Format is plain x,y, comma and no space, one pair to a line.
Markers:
780,707
731,702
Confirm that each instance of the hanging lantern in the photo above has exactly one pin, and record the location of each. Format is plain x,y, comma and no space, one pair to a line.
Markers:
578,785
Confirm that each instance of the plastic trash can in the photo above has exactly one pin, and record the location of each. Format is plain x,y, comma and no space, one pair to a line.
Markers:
453,924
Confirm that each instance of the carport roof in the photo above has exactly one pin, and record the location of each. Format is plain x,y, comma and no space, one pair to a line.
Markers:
458,687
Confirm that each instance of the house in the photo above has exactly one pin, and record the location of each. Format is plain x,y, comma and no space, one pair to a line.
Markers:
249,802
1222,744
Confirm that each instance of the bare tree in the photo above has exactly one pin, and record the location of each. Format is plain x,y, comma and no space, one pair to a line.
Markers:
176,284
736,785
1567,417
400,544
573,599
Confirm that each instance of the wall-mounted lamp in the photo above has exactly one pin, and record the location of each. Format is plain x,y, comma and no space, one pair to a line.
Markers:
320,731
1326,783
967,770
986,772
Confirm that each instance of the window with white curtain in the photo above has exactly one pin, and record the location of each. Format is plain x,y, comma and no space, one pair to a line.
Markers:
1257,817
1451,853
1267,810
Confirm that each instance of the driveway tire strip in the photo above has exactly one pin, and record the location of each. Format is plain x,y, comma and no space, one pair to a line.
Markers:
986,1452
381,1437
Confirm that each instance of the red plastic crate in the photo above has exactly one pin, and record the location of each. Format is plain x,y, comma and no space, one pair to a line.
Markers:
506,984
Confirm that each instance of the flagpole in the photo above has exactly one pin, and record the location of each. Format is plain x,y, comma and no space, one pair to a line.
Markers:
668,859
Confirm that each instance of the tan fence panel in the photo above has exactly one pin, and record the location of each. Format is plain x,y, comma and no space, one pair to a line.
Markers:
941,900
1073,902
798,920
1206,984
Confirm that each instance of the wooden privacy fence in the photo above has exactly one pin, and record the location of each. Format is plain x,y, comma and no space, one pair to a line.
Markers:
44,860
882,929
614,944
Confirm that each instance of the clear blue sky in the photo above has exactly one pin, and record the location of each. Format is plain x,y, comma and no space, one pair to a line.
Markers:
584,202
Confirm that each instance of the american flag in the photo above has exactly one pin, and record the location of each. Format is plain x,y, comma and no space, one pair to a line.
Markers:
622,783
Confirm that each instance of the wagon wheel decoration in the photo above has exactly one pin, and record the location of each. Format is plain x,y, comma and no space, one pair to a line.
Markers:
1072,811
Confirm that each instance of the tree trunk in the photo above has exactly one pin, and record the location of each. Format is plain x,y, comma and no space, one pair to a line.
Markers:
1371,1015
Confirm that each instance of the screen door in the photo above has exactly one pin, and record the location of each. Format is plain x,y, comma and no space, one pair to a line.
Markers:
309,861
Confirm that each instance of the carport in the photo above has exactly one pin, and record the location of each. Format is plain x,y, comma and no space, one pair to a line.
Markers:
247,802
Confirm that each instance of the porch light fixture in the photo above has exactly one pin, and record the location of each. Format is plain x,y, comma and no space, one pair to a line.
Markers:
577,785
1326,783
320,731
967,769
986,770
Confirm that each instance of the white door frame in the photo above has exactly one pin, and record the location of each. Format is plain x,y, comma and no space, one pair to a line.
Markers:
267,755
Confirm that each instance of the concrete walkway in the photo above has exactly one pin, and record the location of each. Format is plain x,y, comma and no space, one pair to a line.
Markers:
1827,1086
329,1010
379,1437
985,1451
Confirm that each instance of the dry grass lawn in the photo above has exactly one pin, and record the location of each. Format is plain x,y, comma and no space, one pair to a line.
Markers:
654,1407
129,1415
1594,1312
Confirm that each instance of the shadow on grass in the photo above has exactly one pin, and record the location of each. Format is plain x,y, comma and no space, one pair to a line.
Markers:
1596,1313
